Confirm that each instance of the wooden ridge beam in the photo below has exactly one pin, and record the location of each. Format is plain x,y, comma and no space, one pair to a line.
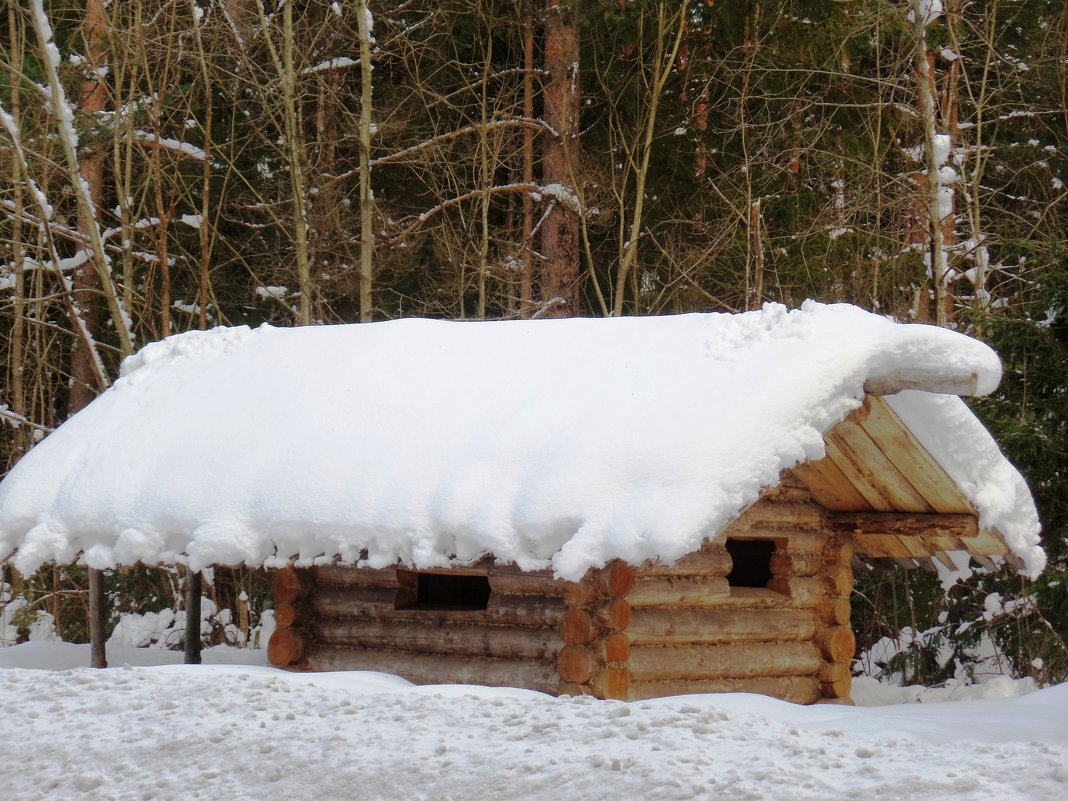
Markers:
904,524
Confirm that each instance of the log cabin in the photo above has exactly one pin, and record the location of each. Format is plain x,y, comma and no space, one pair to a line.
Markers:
626,508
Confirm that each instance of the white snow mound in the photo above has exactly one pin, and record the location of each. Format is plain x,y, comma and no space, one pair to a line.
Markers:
558,442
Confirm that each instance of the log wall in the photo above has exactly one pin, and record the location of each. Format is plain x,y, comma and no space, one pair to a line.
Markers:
625,632
691,632
332,617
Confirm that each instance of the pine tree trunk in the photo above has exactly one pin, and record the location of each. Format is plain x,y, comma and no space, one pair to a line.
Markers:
559,293
366,197
87,288
526,279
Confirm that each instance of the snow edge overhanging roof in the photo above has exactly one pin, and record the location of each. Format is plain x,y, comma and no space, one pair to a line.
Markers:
559,442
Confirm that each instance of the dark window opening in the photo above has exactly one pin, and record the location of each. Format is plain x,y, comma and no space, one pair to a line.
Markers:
447,591
752,562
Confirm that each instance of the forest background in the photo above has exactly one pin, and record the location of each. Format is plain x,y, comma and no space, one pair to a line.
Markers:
172,164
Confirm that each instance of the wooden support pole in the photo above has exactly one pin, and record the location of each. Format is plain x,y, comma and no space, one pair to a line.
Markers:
193,588
97,619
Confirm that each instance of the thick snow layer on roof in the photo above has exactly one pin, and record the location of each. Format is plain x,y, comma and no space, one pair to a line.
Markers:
562,442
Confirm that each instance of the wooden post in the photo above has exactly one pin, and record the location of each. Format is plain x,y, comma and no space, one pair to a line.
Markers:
97,619
193,586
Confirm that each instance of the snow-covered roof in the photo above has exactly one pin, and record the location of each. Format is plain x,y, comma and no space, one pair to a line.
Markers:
563,442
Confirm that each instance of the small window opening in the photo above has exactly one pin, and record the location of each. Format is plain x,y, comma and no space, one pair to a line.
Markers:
752,562
448,591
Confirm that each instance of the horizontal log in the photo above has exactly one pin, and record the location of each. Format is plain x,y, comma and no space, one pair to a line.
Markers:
738,660
782,516
840,579
709,625
577,626
503,610
837,689
790,490
286,647
349,601
614,615
439,669
797,689
937,380
616,578
715,562
834,611
291,584
506,579
902,524
430,637
831,672
839,549
576,664
677,590
798,563
802,591
576,593
349,576
837,643
613,648
287,614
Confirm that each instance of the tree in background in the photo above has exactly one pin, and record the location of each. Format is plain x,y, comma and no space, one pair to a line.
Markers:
333,161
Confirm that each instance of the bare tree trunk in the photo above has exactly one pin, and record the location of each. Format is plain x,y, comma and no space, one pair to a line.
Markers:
81,185
487,177
663,62
18,325
525,280
560,231
91,168
756,247
364,22
87,284
933,159
204,278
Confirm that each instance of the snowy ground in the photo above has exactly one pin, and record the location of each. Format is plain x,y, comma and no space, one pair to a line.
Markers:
250,732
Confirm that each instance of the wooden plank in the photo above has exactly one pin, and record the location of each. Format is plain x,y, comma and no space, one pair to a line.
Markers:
988,542
881,546
860,477
864,453
911,458
830,487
